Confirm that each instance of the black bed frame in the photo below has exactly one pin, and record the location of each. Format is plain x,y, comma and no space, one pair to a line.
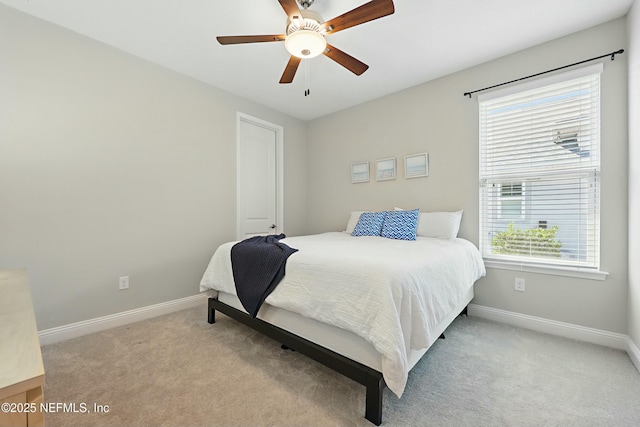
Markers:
358,372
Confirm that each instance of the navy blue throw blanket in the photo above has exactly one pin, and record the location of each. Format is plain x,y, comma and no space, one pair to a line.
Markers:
258,265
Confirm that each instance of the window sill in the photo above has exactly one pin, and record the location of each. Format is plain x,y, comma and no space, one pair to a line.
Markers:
581,273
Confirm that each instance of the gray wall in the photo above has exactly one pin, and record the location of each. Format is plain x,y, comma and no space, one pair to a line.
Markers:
112,166
634,173
435,117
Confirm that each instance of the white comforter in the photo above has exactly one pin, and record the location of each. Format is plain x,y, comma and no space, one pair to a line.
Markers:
392,293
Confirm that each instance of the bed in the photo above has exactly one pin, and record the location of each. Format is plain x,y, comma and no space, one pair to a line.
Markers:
367,306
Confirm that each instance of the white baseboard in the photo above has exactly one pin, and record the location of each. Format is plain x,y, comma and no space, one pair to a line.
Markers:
634,353
567,330
73,330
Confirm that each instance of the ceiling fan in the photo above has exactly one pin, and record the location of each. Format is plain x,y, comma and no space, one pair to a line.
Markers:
306,31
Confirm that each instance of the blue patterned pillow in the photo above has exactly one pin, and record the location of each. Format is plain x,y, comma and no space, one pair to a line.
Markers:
369,224
401,225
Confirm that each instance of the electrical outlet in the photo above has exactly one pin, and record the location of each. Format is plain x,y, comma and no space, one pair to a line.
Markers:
123,283
519,284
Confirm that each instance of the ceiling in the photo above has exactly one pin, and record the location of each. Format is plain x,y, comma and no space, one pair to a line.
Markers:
421,41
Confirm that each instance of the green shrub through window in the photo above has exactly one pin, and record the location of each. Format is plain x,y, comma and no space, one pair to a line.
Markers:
530,242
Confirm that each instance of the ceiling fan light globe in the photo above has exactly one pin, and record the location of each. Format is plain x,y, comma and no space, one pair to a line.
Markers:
305,44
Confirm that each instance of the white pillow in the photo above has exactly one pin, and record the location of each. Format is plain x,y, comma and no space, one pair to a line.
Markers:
353,220
443,225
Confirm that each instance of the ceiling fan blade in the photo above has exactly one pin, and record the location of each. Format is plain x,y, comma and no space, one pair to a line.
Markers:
290,70
346,60
250,39
290,8
367,12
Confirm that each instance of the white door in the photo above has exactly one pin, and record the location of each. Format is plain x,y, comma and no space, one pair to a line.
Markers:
259,177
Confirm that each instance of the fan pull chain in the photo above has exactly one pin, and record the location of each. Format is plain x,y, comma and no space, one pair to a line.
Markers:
307,91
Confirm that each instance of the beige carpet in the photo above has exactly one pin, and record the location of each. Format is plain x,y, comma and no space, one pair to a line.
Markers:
177,370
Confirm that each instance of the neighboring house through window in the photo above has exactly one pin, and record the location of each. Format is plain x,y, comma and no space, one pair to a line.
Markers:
511,201
540,171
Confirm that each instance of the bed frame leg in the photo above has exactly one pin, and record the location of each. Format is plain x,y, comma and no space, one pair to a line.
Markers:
465,312
212,312
375,388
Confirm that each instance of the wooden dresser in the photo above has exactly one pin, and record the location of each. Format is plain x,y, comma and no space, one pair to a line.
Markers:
21,368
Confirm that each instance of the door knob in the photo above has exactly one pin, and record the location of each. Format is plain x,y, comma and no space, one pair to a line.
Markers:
273,226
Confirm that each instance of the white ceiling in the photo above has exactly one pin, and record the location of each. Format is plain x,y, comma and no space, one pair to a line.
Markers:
421,41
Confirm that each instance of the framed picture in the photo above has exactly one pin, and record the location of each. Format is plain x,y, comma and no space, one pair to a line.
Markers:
360,172
416,165
386,169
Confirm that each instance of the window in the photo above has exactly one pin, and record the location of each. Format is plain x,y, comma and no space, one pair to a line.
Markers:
540,171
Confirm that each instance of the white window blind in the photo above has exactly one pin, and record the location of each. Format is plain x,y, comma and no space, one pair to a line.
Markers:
540,171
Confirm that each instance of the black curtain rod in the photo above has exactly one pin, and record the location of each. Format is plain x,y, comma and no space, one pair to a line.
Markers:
612,55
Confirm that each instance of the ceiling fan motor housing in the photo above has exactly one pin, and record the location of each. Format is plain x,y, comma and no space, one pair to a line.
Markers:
308,21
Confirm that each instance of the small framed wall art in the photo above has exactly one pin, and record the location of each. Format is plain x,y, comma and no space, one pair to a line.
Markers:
360,172
416,165
386,169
